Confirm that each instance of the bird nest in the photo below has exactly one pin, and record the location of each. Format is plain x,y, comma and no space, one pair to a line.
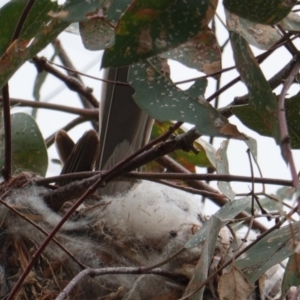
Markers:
130,246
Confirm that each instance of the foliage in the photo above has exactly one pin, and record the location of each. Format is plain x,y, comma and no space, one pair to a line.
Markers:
143,35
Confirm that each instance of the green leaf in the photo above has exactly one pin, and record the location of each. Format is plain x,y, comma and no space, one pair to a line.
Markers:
291,22
96,34
80,10
285,193
38,31
225,214
258,35
260,11
116,9
223,168
161,99
272,249
214,226
10,14
149,28
291,275
29,152
202,53
205,158
292,108
252,145
260,114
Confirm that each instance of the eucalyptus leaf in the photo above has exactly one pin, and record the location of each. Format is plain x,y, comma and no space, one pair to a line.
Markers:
259,35
260,114
96,34
38,31
291,275
205,157
214,225
291,22
149,28
10,14
272,249
160,98
222,167
260,11
202,53
226,213
29,152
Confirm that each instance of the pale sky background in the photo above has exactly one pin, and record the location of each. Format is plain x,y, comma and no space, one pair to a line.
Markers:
271,162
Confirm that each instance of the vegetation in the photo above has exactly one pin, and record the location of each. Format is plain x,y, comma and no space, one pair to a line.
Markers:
44,220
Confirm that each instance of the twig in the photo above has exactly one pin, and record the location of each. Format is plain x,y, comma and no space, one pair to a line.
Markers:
63,56
127,162
274,82
190,189
212,275
105,271
260,58
72,83
90,113
6,171
22,20
89,76
284,135
55,199
171,176
206,177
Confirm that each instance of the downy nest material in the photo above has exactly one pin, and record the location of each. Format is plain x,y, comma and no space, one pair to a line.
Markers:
140,228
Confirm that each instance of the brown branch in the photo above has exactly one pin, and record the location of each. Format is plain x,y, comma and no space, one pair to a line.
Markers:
259,237
274,82
89,76
90,113
63,56
117,270
72,83
6,172
170,176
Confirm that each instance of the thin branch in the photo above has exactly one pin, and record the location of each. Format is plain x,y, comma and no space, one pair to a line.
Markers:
171,176
63,56
90,113
72,83
207,177
6,171
260,58
89,76
127,162
22,20
117,270
213,274
274,82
